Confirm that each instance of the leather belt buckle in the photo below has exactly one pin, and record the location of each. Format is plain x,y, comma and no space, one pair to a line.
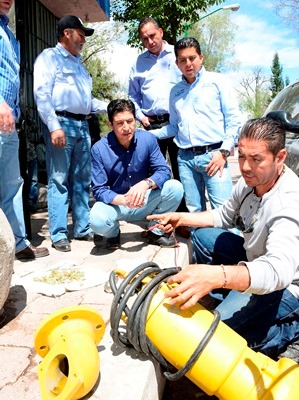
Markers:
199,149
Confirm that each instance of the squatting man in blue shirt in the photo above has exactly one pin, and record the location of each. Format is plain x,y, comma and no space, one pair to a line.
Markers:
254,278
130,179
62,89
205,123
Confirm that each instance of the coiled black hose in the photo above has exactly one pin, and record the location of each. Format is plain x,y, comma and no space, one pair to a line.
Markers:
133,334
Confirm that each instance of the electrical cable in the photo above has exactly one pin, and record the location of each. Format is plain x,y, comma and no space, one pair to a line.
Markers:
133,334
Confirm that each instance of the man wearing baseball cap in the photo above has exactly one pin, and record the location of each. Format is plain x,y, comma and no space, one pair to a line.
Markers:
72,22
62,90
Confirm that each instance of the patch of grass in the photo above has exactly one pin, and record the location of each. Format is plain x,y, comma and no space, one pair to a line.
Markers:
58,276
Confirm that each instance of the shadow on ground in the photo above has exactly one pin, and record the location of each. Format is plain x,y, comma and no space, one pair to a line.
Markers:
14,305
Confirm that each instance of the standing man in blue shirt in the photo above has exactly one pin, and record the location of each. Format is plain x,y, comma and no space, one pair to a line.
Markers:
151,79
11,183
62,89
130,179
205,121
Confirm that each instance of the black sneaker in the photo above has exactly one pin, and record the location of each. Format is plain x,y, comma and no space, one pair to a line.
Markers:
167,240
292,352
62,245
113,243
97,239
87,238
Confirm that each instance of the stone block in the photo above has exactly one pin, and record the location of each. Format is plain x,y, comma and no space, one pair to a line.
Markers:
7,255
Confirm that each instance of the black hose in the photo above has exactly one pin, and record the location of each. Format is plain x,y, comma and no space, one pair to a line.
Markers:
133,333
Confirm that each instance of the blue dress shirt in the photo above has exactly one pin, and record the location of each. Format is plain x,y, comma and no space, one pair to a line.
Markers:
203,112
62,83
114,169
150,81
9,67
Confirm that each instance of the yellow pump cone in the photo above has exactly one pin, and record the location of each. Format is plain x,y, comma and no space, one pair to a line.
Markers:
67,341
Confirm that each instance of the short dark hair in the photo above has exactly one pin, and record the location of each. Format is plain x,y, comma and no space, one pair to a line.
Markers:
186,43
147,20
265,129
120,105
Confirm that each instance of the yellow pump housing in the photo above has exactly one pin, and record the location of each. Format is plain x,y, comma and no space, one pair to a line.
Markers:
67,340
227,367
195,341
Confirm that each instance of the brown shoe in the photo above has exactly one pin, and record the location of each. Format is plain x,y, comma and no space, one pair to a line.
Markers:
31,253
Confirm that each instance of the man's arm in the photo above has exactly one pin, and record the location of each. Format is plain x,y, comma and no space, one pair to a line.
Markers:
98,106
44,77
99,176
172,129
165,132
134,93
196,281
232,124
169,221
230,109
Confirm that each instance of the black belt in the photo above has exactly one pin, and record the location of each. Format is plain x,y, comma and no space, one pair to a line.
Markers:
204,149
160,118
78,117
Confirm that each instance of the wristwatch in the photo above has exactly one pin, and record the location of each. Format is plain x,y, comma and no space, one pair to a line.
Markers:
225,153
150,183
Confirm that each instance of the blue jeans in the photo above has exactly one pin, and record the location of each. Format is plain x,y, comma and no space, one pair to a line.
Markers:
268,322
11,185
195,180
69,178
104,218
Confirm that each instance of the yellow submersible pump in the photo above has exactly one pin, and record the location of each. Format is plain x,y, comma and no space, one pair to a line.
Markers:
194,341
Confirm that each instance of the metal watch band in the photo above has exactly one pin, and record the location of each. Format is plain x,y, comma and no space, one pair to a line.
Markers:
150,183
225,153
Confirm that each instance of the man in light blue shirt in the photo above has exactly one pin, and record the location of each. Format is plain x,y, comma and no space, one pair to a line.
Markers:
205,121
153,74
11,182
151,78
62,89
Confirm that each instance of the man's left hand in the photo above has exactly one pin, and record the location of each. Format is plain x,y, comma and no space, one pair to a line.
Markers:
58,138
7,123
216,164
195,281
137,194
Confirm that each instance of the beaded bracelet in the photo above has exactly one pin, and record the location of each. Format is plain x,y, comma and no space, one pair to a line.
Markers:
224,274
